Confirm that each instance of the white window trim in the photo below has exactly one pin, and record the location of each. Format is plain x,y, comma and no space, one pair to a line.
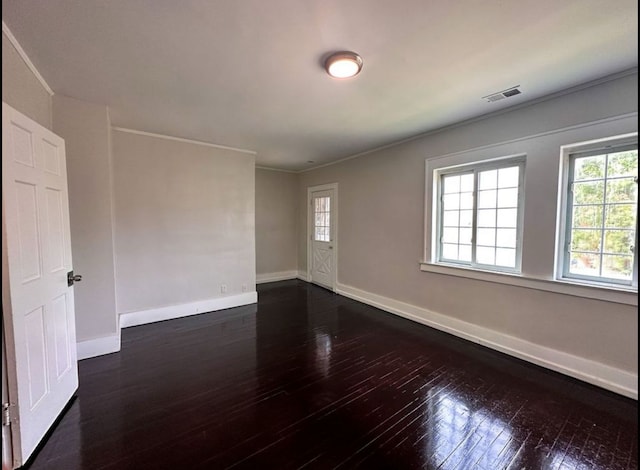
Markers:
620,295
560,269
487,164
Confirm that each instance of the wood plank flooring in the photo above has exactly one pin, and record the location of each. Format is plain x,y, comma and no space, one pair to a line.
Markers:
309,379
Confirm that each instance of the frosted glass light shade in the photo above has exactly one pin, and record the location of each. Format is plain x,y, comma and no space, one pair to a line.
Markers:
343,64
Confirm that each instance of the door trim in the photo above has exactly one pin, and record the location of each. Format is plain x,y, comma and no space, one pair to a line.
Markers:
311,190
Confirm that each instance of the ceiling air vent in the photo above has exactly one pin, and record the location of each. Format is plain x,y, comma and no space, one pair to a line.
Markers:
509,92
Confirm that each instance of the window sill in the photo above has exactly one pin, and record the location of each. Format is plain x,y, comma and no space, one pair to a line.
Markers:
621,295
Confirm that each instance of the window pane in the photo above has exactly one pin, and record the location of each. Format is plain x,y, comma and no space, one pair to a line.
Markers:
508,197
623,164
591,192
618,241
321,204
622,190
486,236
451,184
451,201
487,199
486,218
465,235
466,201
587,216
506,237
617,267
485,255
506,257
450,235
488,179
450,218
586,240
585,264
508,177
464,253
449,251
466,183
589,168
621,216
507,218
466,218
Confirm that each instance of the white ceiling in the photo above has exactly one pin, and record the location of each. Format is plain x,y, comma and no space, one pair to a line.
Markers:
248,74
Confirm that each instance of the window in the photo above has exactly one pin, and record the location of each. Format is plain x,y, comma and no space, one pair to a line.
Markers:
600,239
322,218
480,215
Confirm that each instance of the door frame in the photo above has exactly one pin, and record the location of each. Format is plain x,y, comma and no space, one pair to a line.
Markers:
334,226
7,439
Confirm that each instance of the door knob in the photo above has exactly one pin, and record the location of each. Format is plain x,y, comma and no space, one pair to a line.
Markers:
71,278
330,247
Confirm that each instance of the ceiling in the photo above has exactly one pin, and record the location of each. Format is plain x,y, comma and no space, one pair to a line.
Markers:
248,73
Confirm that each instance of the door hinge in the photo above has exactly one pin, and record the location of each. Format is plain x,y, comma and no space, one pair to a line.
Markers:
8,414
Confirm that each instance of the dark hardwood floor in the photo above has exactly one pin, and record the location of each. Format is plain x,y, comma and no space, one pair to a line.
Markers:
309,379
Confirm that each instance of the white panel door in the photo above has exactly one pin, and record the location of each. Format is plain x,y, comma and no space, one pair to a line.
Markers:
37,303
322,238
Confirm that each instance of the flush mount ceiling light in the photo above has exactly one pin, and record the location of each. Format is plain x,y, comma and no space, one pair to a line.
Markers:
343,64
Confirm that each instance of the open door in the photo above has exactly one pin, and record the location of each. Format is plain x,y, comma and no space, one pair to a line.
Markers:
37,297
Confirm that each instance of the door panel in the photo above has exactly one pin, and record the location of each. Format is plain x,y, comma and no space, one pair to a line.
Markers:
61,313
28,235
55,226
51,154
38,307
37,373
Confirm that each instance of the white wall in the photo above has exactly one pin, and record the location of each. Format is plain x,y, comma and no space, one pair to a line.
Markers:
276,224
184,222
381,235
85,127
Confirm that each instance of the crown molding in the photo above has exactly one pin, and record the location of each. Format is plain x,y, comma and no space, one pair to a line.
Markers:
14,42
181,139
267,168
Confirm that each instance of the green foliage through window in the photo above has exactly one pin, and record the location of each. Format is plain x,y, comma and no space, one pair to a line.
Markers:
603,215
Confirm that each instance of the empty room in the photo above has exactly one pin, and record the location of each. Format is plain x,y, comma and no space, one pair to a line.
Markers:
319,234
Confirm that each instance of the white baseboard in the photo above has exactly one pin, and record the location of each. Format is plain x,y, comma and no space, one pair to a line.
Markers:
183,310
273,277
98,346
302,275
596,373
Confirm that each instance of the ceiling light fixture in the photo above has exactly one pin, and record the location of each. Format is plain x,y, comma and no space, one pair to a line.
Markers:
343,64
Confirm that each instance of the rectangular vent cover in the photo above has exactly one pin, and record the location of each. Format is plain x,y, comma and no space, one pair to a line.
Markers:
509,92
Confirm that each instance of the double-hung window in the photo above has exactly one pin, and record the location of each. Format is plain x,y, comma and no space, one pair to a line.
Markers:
600,237
479,215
